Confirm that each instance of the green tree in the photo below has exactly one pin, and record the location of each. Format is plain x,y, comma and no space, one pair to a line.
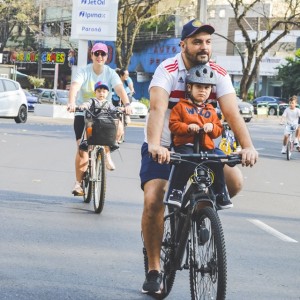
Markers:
289,74
17,19
275,28
36,82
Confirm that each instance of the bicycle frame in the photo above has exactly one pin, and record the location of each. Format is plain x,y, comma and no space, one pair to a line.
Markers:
291,138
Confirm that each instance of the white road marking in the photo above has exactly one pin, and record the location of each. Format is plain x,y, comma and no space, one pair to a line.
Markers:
272,231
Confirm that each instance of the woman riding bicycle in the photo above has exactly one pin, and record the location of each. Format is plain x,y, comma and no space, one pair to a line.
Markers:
81,90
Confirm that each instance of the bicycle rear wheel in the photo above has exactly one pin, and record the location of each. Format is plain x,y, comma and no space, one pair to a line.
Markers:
99,182
208,265
166,254
87,187
288,150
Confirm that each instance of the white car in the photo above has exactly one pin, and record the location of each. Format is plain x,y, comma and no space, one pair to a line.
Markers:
138,109
13,102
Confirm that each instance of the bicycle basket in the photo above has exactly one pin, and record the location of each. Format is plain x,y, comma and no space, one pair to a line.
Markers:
104,129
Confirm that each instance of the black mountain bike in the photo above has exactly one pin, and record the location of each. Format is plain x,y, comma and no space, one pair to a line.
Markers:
193,236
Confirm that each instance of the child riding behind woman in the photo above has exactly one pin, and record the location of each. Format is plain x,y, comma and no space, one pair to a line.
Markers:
101,92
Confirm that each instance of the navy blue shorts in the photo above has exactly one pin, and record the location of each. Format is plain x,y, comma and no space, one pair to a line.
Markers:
151,169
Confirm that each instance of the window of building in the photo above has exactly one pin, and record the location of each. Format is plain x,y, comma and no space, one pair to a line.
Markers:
222,13
212,14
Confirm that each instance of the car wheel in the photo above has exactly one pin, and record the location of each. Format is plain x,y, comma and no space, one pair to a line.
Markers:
22,115
272,111
247,120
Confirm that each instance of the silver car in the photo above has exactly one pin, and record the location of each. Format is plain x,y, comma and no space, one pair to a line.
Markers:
49,96
246,109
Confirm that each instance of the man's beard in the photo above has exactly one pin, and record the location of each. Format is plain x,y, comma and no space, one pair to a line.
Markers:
195,59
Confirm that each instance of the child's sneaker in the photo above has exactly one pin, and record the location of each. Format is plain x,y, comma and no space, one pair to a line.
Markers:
283,150
175,197
223,201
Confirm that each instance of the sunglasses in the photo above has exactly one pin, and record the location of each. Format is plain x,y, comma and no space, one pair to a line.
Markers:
102,53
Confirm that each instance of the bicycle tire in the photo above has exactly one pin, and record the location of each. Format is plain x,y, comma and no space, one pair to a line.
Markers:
208,265
99,184
166,254
224,145
87,187
288,150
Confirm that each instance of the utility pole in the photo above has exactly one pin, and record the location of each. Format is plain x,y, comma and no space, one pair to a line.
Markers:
258,68
39,73
202,10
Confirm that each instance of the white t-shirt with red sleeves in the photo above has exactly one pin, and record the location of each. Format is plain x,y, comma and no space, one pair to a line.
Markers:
170,75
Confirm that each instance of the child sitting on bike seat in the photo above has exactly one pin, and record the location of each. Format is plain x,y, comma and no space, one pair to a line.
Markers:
290,115
101,91
186,120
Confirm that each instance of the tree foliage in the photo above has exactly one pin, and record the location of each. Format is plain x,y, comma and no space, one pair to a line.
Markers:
16,17
132,15
289,74
258,47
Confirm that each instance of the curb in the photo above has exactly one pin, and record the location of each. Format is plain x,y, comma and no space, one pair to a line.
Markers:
66,121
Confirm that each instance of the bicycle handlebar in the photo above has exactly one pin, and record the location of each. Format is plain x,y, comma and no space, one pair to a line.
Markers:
78,109
204,157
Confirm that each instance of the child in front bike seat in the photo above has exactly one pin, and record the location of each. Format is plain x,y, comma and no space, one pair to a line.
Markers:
186,119
101,91
290,118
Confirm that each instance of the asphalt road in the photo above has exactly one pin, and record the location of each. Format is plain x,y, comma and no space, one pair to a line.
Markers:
53,246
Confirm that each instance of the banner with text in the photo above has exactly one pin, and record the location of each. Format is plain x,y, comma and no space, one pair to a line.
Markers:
94,20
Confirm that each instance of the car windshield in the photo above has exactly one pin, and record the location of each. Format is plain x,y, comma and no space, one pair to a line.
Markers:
63,94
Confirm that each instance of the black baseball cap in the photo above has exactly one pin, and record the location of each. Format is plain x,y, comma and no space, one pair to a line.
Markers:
195,26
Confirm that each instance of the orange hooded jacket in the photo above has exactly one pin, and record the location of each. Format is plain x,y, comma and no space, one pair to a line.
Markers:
185,112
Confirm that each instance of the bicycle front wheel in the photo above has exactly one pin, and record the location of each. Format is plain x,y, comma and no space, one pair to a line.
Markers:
288,150
87,187
208,265
99,182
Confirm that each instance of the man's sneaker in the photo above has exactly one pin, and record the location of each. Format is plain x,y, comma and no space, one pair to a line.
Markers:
223,201
175,197
77,190
152,283
283,150
84,146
